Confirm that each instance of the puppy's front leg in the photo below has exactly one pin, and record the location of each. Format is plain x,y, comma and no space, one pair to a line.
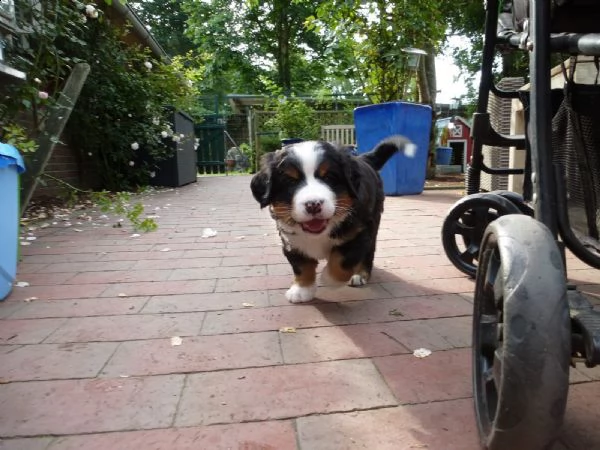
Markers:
305,271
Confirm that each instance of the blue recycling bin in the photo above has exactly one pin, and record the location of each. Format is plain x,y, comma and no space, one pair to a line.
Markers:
401,175
11,165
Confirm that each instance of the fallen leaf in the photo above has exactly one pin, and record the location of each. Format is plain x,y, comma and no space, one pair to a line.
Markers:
25,243
248,305
287,330
166,249
176,340
241,237
30,299
22,284
395,312
422,352
77,230
135,235
121,294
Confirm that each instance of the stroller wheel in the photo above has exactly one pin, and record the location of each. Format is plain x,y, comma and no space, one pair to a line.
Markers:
464,225
521,336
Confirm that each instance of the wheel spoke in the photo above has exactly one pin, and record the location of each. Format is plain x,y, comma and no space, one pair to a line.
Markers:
462,229
470,254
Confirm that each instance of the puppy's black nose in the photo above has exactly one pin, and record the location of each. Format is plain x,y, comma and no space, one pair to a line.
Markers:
313,207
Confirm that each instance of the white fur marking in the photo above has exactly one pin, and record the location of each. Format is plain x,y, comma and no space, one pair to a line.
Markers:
314,190
410,150
300,294
357,280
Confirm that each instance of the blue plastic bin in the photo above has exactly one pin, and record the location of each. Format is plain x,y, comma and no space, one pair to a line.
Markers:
373,123
11,165
443,156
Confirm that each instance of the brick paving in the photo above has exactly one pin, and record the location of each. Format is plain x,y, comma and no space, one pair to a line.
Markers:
89,362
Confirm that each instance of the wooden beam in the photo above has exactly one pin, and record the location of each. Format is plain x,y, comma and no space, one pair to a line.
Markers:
53,128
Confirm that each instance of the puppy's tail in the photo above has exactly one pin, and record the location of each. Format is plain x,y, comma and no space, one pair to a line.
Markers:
377,157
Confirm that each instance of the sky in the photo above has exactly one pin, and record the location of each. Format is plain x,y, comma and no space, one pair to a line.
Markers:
448,80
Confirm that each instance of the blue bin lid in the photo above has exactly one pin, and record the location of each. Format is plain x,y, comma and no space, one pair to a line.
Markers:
10,156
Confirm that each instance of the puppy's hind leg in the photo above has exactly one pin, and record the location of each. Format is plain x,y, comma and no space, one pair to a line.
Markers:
304,287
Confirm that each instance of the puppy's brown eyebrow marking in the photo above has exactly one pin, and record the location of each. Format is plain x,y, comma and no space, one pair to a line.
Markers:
292,172
323,169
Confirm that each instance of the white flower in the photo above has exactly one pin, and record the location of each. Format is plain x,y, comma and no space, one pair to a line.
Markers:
182,136
43,95
89,153
190,83
131,163
175,138
37,80
91,11
156,121
134,146
164,134
152,174
129,115
83,19
148,65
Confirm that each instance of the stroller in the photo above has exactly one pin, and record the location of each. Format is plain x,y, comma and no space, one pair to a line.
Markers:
529,323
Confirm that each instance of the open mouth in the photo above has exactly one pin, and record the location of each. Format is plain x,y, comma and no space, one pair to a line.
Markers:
314,226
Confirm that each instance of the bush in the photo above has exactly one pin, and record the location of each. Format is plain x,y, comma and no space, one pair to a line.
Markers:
293,119
120,113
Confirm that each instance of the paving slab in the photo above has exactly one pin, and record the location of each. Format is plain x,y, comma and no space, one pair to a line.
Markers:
170,340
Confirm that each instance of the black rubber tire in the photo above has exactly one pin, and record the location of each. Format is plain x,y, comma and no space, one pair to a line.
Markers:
517,200
468,218
521,336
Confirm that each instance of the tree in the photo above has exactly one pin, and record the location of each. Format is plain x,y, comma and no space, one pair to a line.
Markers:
167,21
376,33
262,46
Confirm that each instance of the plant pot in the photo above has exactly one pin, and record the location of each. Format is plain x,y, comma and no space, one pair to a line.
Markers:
443,156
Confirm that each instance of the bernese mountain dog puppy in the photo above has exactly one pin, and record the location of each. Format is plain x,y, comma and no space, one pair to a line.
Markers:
327,204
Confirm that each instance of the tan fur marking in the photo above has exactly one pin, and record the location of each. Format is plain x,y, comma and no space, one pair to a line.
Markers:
323,168
308,274
336,271
292,172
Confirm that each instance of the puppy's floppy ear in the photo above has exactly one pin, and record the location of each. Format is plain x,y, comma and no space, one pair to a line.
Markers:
261,182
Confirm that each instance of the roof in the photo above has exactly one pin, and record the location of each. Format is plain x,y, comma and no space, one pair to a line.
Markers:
240,102
139,32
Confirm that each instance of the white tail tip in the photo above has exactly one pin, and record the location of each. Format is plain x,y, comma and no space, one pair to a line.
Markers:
410,150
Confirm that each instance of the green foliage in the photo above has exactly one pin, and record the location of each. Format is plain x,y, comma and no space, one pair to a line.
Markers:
249,47
119,204
294,119
119,120
16,136
167,20
119,123
373,36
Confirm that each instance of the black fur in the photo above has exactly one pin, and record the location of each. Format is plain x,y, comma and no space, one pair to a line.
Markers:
354,176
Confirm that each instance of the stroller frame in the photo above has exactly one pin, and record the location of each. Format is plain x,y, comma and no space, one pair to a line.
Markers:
529,325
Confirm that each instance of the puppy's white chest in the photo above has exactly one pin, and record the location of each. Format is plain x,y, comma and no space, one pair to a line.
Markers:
317,247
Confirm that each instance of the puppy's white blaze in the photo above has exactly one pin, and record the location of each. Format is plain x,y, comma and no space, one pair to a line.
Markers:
410,150
314,190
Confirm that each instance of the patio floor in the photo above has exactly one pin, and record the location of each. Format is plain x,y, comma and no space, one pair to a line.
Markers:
89,361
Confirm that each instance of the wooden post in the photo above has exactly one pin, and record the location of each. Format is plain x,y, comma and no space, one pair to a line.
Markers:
54,126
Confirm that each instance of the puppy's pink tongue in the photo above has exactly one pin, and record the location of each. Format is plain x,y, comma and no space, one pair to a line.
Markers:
314,225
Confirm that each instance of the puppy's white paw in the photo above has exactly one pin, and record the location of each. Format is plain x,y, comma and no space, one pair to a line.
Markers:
301,294
357,280
327,280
